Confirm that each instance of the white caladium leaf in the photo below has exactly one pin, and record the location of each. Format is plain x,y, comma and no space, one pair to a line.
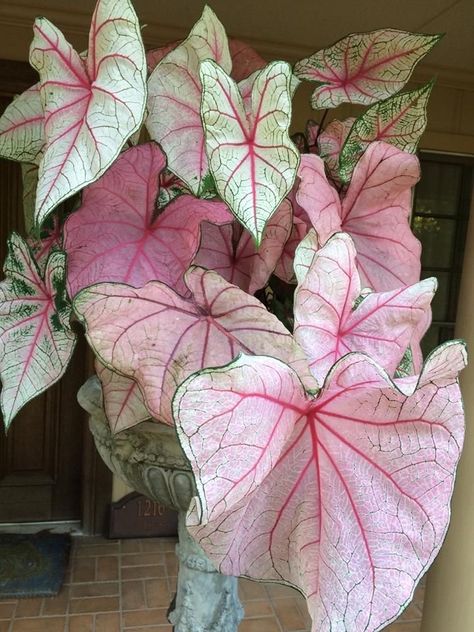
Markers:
328,324
36,341
316,196
22,128
174,98
230,250
158,338
285,269
116,235
304,255
375,211
330,143
91,106
364,67
344,496
399,120
123,401
251,156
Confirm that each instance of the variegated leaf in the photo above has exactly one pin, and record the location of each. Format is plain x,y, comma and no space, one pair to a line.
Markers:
399,120
251,156
22,127
330,143
36,341
364,67
174,97
91,107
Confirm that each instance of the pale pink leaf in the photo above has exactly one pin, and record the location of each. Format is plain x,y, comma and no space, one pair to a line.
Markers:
399,120
116,236
174,99
328,324
312,133
158,338
251,156
36,341
330,143
284,269
351,506
91,107
364,67
245,60
317,197
231,251
376,211
304,254
22,127
153,57
123,401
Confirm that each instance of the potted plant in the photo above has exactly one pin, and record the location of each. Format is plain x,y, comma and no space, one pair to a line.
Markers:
221,274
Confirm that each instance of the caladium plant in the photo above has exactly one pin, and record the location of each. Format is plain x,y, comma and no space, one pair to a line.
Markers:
261,296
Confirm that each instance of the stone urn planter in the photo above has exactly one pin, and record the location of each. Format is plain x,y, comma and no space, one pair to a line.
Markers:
149,459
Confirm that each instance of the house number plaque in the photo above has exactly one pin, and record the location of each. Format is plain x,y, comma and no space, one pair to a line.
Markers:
136,516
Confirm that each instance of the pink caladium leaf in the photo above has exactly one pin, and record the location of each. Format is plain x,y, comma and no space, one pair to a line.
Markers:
174,97
251,156
91,106
158,338
153,57
399,120
344,496
22,128
116,236
328,324
330,143
364,67
231,251
123,401
36,341
374,211
245,60
284,269
317,197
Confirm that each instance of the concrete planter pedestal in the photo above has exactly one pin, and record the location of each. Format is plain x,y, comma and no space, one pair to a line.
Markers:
149,459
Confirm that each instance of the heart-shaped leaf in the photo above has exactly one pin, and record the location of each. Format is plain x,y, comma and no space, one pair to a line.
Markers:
399,120
327,322
345,496
123,401
330,143
285,267
231,251
116,236
174,98
91,107
36,341
251,156
245,60
158,338
375,212
364,67
22,127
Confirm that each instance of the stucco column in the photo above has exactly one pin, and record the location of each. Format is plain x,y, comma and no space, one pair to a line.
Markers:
449,600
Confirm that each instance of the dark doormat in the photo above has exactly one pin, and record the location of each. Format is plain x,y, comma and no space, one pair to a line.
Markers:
33,565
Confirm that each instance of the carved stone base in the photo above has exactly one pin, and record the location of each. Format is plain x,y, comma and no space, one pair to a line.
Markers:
149,459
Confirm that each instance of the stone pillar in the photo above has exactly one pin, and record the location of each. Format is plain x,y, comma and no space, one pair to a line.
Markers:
449,600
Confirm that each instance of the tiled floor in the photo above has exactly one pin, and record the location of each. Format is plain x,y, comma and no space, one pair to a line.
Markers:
115,586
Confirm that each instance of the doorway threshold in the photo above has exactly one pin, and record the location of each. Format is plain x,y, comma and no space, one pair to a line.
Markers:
57,526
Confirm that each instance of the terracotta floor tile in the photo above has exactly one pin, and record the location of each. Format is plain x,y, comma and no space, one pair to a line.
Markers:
5,626
133,595
29,608
40,624
258,608
403,627
107,622
7,608
83,569
171,562
150,545
133,619
107,568
94,604
95,589
279,591
251,590
157,593
154,628
58,604
98,549
269,624
81,623
143,572
142,559
131,546
288,614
